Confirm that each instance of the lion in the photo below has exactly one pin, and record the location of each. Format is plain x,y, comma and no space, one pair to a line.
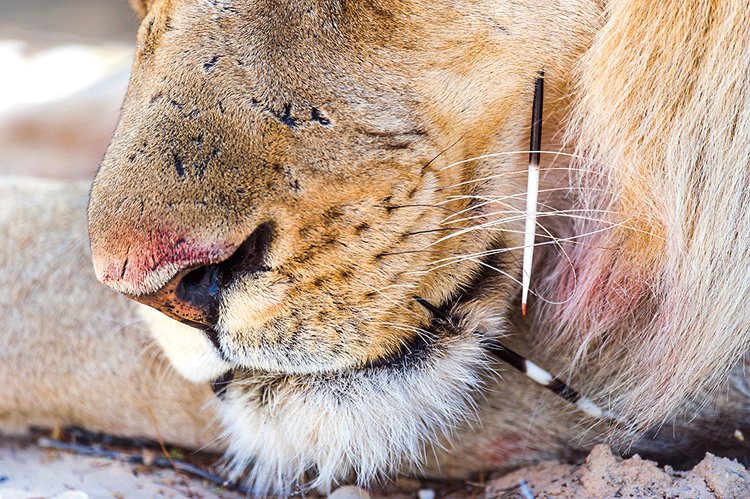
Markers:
289,180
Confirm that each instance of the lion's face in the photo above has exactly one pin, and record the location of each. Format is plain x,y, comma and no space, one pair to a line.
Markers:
323,133
289,175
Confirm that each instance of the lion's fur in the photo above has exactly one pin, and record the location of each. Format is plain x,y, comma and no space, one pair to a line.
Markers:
347,125
75,354
71,352
662,123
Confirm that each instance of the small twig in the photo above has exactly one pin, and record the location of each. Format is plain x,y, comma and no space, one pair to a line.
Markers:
158,436
158,462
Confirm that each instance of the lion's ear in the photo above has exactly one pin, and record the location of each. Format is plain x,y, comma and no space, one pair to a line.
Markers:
140,7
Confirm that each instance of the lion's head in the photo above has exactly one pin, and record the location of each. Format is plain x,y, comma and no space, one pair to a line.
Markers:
288,175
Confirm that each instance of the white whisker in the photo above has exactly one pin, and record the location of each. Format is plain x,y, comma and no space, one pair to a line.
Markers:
444,262
519,216
511,153
520,171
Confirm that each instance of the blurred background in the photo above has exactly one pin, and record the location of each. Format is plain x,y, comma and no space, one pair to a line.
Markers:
64,67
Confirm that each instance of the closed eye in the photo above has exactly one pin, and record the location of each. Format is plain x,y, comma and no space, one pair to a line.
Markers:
393,139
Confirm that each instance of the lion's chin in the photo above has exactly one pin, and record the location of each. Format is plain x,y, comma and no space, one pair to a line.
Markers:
190,351
287,433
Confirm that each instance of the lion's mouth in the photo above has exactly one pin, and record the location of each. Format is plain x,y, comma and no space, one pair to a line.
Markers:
444,326
418,396
410,356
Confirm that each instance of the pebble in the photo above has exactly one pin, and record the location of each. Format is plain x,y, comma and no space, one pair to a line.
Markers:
350,493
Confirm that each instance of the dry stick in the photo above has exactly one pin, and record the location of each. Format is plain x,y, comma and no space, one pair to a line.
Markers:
158,435
158,462
533,188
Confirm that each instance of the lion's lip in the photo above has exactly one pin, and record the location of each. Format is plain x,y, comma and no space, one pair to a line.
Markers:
419,349
411,355
442,322
213,337
410,352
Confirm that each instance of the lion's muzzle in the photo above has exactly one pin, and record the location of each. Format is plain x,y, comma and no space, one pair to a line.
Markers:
193,296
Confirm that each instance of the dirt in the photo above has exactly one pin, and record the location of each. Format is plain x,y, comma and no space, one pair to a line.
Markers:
30,472
605,475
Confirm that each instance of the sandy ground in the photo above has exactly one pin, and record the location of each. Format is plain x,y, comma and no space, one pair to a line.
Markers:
30,472
604,475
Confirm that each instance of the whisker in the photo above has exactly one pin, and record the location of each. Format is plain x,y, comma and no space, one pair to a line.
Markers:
520,171
519,216
554,213
455,259
444,229
426,165
518,152
409,286
408,252
461,197
500,200
400,206
489,200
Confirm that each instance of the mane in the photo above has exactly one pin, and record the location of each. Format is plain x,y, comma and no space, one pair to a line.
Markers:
655,298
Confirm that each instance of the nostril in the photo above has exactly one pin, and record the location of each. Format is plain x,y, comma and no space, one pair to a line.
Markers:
194,295
201,290
251,256
201,281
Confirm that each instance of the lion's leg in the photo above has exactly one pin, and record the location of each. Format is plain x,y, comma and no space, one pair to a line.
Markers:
72,352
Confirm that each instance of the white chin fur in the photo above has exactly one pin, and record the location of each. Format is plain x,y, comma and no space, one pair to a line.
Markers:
361,425
189,350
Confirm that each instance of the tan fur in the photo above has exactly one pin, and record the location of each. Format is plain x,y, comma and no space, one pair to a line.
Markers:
204,124
72,352
663,124
353,127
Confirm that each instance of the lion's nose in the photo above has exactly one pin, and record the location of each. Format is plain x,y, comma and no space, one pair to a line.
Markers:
193,296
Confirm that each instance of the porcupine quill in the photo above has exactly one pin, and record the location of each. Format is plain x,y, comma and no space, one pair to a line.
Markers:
532,191
534,372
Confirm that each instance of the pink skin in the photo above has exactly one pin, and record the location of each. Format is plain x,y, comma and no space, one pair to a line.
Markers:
596,298
151,250
504,451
